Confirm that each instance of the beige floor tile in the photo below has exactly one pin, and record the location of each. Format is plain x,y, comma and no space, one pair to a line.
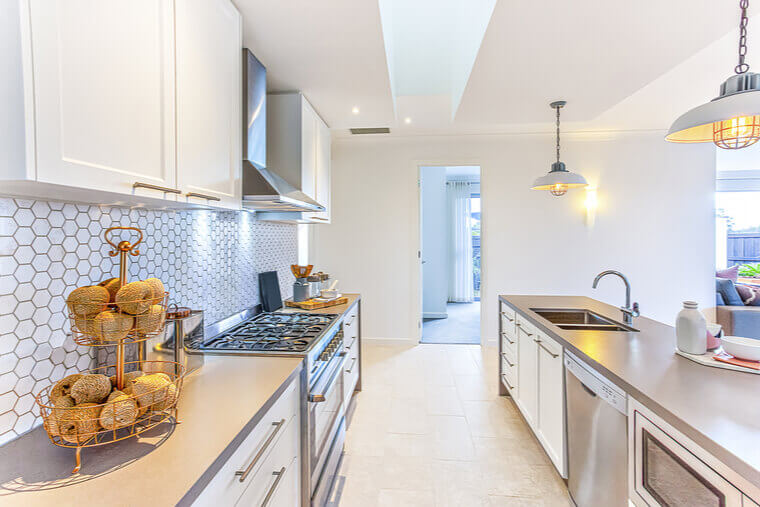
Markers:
458,484
401,444
494,418
476,387
451,438
405,498
443,400
408,416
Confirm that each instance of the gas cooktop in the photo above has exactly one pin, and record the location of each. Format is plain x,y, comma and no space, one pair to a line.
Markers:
272,332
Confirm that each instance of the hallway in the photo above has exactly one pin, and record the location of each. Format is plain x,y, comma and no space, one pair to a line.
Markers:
430,430
461,326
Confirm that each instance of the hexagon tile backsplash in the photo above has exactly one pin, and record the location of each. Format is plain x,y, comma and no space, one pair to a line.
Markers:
207,259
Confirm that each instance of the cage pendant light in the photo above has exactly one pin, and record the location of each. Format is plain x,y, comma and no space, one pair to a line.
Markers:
559,180
732,120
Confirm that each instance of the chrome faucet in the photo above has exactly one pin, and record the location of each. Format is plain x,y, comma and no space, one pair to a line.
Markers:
628,312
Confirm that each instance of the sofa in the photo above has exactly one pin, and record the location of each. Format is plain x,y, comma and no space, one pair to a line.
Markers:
735,318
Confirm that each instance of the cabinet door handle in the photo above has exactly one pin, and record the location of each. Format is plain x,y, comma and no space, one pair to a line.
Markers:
510,319
353,363
203,196
151,186
273,488
507,338
541,344
507,381
243,474
511,364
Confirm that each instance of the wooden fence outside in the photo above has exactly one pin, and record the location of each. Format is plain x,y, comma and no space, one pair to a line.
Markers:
743,248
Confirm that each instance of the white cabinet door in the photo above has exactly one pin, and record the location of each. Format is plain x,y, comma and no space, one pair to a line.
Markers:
551,401
308,149
322,176
209,157
103,79
527,374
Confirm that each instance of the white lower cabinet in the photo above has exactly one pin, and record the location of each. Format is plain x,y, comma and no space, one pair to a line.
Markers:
667,468
532,370
527,373
266,465
352,348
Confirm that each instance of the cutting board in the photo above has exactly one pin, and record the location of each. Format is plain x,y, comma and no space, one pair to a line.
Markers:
313,304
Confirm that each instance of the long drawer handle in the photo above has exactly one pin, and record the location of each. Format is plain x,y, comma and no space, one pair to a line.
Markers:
243,474
353,363
507,381
319,218
273,488
523,329
511,364
541,344
203,196
151,186
510,319
353,318
504,335
351,344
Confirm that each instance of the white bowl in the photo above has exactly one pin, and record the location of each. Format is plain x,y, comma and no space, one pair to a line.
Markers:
329,294
741,347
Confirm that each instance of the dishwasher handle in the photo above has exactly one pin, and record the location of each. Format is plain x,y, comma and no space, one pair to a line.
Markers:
587,389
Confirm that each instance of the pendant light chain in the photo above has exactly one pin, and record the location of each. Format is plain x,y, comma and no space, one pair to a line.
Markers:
558,107
742,67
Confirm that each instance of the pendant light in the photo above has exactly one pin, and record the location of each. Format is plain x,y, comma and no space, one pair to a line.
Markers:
731,120
559,180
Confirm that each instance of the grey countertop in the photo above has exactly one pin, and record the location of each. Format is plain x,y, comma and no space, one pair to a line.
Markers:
719,409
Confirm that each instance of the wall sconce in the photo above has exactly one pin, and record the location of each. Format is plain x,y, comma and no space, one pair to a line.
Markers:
591,205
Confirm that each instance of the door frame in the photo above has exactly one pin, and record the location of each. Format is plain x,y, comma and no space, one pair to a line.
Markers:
417,280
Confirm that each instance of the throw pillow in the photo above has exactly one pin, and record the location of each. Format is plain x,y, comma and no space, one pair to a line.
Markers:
750,295
727,289
731,273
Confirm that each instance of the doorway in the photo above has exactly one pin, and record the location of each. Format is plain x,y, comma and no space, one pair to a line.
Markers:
450,217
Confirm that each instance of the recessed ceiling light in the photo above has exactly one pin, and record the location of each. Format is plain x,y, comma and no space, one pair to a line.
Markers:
355,110
407,120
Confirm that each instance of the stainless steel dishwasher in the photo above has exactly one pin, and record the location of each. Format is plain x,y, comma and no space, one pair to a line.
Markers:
596,437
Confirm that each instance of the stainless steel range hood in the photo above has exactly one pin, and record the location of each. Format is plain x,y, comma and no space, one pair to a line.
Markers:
263,189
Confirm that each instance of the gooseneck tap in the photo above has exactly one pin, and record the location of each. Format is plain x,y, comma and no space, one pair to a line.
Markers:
628,311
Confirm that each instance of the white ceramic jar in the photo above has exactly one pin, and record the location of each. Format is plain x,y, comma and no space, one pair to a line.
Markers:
691,329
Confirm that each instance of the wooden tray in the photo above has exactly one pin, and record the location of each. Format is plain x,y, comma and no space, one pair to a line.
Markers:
313,304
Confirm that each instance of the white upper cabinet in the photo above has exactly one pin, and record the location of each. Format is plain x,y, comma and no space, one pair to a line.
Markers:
298,148
103,93
133,102
209,99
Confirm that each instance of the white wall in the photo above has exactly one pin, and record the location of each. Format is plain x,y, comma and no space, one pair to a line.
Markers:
435,281
655,222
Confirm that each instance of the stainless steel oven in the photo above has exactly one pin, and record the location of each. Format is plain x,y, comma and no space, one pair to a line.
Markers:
325,406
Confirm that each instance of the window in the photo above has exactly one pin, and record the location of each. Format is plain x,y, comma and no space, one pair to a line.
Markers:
475,224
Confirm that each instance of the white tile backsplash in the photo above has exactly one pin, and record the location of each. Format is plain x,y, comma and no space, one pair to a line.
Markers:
206,259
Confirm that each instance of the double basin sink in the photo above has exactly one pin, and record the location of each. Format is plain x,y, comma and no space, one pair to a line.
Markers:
578,319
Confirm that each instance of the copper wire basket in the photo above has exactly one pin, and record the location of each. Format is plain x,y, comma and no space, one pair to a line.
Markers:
123,417
118,324
92,330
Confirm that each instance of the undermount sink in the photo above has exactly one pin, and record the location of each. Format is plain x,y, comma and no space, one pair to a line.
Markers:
578,319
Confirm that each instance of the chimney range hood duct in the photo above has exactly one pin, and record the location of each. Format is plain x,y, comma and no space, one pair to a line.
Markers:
263,189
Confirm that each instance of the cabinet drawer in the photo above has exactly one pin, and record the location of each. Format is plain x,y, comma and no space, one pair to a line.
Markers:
509,343
283,417
508,320
509,369
274,481
350,377
351,325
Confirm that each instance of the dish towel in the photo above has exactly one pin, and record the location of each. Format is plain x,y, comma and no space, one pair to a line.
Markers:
726,358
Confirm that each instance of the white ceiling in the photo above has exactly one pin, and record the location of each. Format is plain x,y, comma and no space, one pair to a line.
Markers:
618,64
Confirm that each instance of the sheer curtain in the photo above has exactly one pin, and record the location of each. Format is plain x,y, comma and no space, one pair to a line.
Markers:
460,242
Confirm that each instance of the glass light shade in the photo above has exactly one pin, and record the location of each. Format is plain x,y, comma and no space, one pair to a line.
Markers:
731,122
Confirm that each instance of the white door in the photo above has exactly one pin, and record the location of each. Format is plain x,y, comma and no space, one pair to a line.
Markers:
527,374
209,118
308,149
551,401
104,93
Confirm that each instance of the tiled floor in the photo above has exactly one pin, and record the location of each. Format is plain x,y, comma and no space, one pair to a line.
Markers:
461,326
431,430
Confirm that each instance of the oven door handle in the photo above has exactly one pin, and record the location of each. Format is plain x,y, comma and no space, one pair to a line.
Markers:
320,395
